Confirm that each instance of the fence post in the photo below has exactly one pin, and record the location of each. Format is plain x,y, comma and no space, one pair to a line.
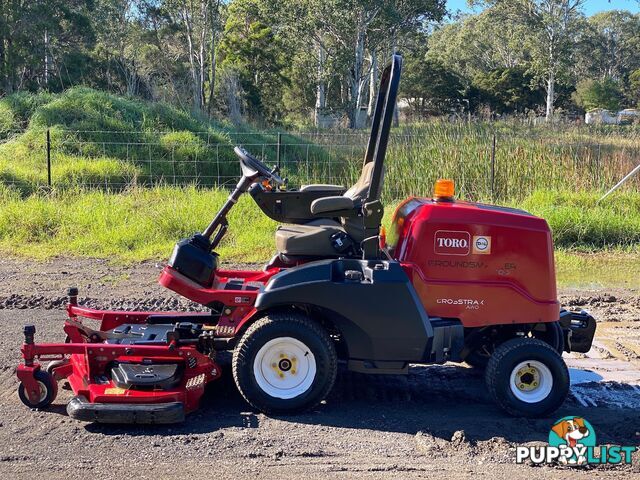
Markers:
48,158
493,168
278,149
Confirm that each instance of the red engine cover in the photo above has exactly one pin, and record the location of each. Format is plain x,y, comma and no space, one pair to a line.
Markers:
482,264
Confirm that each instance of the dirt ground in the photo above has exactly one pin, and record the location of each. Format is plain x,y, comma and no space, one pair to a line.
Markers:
435,421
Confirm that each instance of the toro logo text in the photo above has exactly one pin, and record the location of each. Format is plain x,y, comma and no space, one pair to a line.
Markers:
452,242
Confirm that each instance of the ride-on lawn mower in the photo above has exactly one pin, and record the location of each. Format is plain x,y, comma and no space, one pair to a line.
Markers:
454,281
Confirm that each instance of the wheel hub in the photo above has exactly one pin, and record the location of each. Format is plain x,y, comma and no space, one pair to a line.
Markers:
531,381
527,378
284,368
285,365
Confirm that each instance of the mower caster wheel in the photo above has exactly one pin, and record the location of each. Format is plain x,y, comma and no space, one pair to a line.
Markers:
527,378
284,363
48,391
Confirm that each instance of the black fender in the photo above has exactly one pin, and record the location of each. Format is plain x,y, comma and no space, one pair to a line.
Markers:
378,312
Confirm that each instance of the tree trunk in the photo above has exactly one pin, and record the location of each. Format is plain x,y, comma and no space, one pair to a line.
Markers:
46,59
9,73
203,70
321,98
373,83
195,75
356,79
212,59
551,84
2,65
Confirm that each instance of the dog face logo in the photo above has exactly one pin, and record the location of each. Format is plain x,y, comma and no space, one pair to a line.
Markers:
575,433
571,430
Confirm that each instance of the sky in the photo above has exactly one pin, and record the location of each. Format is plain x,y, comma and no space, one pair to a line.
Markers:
590,7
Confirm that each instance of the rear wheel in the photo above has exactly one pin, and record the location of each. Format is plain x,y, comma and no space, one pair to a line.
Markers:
47,394
527,377
284,363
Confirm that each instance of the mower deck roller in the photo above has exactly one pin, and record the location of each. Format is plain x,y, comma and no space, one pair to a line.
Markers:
454,281
162,413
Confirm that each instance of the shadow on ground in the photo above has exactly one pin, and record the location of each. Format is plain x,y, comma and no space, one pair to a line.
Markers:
438,400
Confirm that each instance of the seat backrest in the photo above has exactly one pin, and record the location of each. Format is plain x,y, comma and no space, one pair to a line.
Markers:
381,125
358,193
360,189
368,188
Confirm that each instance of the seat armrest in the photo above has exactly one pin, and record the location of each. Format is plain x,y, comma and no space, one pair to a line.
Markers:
331,204
322,187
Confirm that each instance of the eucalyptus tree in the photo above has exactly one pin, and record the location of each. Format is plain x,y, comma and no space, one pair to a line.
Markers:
552,30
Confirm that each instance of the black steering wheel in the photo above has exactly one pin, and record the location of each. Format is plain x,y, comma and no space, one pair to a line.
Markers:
253,163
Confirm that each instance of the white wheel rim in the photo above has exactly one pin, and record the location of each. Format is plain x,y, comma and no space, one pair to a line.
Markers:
531,381
284,368
43,392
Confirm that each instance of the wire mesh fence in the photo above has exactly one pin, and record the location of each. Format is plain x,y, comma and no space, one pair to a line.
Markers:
485,164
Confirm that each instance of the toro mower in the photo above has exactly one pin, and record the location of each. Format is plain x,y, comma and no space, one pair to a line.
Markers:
453,281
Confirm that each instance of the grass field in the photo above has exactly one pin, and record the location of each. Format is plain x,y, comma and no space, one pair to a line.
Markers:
103,141
143,224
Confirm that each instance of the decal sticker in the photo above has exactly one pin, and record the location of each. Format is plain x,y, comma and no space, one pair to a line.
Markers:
469,303
456,264
114,391
452,242
481,245
225,330
507,269
195,382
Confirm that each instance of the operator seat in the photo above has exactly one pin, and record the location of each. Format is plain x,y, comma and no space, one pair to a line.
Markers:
320,238
349,225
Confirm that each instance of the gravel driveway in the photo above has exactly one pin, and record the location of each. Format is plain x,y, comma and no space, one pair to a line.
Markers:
435,421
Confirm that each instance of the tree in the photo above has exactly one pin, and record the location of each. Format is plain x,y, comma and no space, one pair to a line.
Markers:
40,41
610,48
634,87
255,53
118,42
350,35
616,50
507,90
592,94
430,88
553,27
189,29
478,44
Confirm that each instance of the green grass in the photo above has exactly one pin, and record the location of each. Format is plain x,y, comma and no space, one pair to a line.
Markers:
595,243
579,222
100,139
128,226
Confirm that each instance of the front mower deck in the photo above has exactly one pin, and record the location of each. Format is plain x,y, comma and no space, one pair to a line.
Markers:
138,367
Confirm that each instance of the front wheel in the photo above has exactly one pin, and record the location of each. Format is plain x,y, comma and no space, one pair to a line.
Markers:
46,395
527,378
284,363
